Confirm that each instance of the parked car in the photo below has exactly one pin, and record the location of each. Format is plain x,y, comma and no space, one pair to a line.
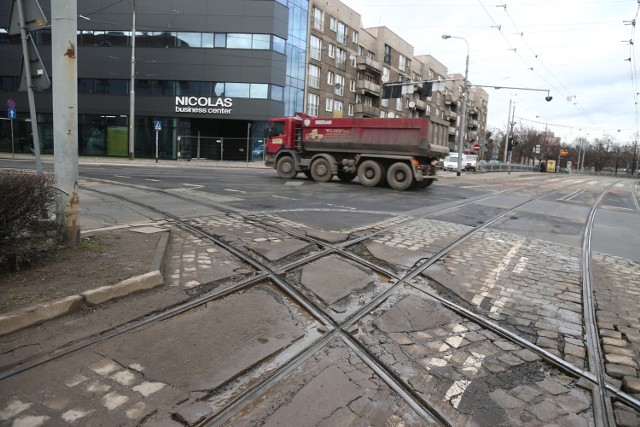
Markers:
450,162
258,153
470,162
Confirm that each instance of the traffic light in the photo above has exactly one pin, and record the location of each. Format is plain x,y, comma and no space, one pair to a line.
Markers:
512,143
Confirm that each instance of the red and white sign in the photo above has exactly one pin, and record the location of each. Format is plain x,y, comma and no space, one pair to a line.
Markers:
476,147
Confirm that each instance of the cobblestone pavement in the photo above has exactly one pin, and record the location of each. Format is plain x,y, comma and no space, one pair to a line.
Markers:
468,374
617,294
530,286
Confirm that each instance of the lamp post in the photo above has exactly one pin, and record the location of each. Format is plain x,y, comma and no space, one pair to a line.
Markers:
464,104
132,89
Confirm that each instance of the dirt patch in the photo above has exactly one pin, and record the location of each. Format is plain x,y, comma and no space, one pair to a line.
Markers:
101,259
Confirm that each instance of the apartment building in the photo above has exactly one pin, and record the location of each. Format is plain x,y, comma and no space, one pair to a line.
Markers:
349,65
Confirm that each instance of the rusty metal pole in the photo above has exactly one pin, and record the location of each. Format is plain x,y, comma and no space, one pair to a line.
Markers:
64,26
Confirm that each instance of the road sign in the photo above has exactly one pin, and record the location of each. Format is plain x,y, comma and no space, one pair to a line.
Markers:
12,113
157,125
39,77
11,103
34,18
476,147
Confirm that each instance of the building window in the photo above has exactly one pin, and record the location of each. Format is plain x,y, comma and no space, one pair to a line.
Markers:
339,87
328,105
341,59
315,48
399,104
314,76
358,99
338,106
354,37
401,62
333,24
371,55
385,74
352,59
332,51
350,110
318,19
387,54
360,51
352,86
341,35
313,102
330,78
239,41
384,103
368,101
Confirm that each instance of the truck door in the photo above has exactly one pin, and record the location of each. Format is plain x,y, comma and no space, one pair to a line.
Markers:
276,137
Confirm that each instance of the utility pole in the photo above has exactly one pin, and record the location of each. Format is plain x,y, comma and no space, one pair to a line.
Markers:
132,83
64,26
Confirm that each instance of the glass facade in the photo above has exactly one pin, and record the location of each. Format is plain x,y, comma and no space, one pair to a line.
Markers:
296,51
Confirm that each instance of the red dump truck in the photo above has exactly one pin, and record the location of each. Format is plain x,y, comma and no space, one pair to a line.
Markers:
395,151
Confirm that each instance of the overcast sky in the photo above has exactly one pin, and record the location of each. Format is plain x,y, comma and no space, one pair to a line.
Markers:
577,49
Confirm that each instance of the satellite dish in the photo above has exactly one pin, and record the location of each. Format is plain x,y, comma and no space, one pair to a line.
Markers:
412,104
385,79
392,115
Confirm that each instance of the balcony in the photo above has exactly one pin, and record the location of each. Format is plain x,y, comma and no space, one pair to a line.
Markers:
365,86
366,110
452,130
473,124
472,136
452,116
364,63
420,105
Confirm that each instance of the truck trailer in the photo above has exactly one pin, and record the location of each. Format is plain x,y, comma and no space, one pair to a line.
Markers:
397,152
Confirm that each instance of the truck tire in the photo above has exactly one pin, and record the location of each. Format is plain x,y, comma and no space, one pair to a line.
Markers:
370,173
346,176
286,168
400,176
321,170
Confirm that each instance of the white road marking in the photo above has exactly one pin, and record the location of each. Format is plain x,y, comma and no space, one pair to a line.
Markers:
282,197
122,176
154,180
193,185
519,268
235,191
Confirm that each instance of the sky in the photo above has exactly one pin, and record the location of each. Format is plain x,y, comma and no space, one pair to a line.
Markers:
581,51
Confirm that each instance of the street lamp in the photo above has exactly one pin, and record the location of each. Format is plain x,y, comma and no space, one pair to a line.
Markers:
132,91
464,104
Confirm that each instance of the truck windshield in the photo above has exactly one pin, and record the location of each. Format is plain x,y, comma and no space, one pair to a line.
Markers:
277,128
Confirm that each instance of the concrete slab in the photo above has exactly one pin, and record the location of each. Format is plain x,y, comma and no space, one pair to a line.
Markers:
148,230
207,347
327,236
275,251
332,278
394,255
412,314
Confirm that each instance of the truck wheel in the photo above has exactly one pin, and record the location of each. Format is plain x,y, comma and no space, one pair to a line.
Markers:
399,176
370,173
321,170
422,184
286,168
346,176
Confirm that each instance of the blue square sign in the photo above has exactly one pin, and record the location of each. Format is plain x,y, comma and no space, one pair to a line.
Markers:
157,125
12,113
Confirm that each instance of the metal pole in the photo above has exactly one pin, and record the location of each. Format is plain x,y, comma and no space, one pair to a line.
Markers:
506,142
512,123
464,112
13,149
132,91
64,27
35,135
156,146
248,139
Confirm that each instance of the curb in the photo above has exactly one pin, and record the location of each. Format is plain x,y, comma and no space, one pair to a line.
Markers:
39,313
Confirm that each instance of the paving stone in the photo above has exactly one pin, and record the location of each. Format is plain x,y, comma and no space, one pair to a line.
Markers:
619,359
546,410
526,393
626,418
610,333
552,387
619,371
631,384
614,341
619,350
574,350
505,400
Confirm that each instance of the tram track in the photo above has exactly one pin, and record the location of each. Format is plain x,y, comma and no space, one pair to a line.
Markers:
341,330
